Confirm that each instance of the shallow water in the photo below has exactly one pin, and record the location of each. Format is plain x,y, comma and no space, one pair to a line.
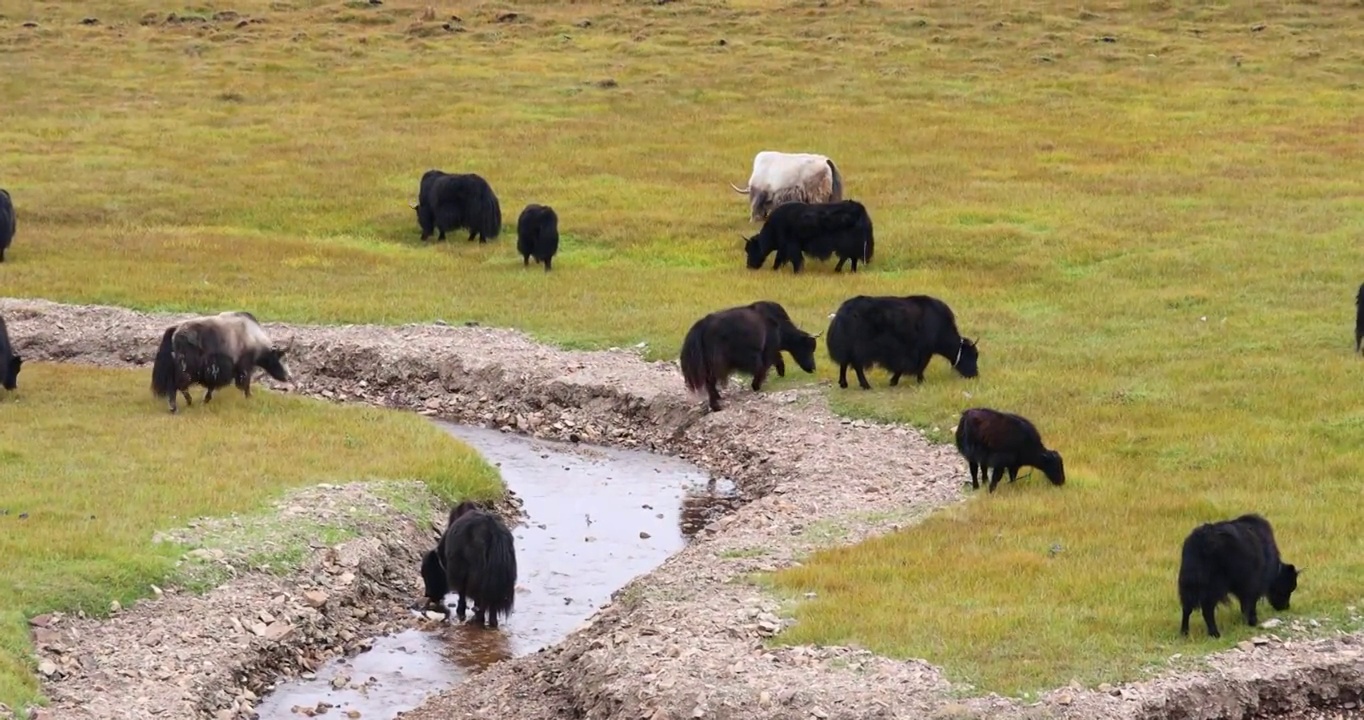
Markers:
596,518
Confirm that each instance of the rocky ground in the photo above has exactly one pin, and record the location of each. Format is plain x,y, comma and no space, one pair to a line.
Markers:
685,641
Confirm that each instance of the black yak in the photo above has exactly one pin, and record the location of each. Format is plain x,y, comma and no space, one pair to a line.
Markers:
476,558
447,201
901,334
994,441
1359,315
7,222
214,351
537,234
797,229
10,362
1233,557
747,339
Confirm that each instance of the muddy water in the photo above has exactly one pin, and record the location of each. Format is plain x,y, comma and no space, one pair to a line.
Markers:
596,518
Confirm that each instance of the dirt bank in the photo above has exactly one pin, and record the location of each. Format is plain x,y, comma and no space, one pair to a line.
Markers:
686,640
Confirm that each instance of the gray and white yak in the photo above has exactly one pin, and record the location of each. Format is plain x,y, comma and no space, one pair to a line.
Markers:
779,178
214,351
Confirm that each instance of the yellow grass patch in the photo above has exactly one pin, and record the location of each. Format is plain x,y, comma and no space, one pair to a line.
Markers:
1151,213
93,466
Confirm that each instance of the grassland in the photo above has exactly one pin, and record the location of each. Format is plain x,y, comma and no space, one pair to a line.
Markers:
97,466
1151,213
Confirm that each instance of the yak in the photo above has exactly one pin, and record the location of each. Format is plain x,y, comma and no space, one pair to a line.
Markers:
779,178
1233,557
797,229
901,334
537,234
7,222
10,361
992,442
1359,318
447,201
214,351
749,339
476,558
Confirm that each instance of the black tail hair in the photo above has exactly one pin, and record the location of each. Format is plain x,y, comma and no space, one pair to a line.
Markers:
1359,320
490,215
498,575
163,368
695,363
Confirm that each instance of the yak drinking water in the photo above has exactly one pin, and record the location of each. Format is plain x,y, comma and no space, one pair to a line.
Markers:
1233,557
447,201
7,222
475,558
797,229
994,441
537,234
10,362
748,339
901,334
214,351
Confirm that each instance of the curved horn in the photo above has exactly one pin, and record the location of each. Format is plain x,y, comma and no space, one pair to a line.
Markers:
413,205
821,332
744,191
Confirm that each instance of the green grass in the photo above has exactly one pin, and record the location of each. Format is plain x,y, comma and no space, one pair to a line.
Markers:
1157,237
93,466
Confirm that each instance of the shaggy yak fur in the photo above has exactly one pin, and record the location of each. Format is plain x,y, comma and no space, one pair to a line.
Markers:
748,339
994,441
10,362
901,334
214,351
7,222
797,229
1359,319
537,234
779,178
447,201
476,558
1233,557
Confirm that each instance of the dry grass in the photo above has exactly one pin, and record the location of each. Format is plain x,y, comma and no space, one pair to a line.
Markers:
1152,213
93,467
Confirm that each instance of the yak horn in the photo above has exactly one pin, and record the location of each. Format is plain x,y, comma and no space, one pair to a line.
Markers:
744,191
413,205
821,332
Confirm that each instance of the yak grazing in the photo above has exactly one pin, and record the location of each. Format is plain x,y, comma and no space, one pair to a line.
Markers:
537,234
780,178
1359,318
749,339
1233,557
476,558
797,229
992,442
447,201
7,222
901,334
10,362
214,351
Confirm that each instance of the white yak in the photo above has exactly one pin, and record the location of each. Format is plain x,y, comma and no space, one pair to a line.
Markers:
779,178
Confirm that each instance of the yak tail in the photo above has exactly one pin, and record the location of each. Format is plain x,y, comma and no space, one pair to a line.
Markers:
163,368
870,247
1359,299
695,364
491,214
836,194
498,577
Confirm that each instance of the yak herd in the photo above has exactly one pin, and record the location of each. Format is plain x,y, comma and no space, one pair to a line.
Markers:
799,199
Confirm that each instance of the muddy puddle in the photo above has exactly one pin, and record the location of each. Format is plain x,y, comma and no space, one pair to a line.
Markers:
596,518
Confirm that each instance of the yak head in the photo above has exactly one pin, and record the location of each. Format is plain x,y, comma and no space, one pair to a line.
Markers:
801,346
462,509
757,253
11,373
1283,586
968,355
272,362
433,577
1053,467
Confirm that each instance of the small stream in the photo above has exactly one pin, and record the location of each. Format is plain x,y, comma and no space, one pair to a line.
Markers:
596,518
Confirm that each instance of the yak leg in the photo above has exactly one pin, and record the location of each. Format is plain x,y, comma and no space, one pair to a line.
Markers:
492,619
1248,610
479,616
1184,621
246,384
839,266
1013,472
1210,617
861,378
714,394
996,474
461,608
798,262
780,365
843,375
760,376
854,264
974,466
188,400
525,261
895,378
208,396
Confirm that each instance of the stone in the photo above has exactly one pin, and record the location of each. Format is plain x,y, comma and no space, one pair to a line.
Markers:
315,598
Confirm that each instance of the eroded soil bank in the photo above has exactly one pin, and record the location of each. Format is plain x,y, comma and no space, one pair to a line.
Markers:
686,640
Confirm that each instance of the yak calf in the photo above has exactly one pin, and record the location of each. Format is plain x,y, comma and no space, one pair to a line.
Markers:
1233,557
994,441
537,235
